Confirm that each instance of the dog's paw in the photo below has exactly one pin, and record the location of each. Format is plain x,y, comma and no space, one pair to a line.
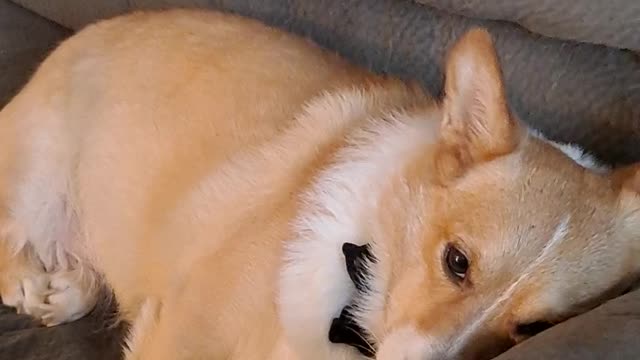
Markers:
53,298
69,297
15,292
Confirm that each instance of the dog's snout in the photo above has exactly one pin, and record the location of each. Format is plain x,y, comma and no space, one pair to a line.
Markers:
523,331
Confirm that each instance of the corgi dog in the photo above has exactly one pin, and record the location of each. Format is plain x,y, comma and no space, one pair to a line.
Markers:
248,195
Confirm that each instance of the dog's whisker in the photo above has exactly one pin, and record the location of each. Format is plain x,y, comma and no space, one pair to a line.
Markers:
365,339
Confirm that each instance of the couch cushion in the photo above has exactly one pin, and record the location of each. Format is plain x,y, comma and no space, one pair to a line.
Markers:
607,332
75,13
94,337
24,40
614,22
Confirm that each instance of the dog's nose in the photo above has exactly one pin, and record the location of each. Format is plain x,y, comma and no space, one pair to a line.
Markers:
523,331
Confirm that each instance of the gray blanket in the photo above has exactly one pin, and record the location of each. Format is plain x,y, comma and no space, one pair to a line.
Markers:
92,338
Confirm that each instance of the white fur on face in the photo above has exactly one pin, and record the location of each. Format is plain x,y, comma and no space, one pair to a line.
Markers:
314,284
408,344
575,153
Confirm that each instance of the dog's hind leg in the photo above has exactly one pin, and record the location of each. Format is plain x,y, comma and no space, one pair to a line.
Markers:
42,271
141,335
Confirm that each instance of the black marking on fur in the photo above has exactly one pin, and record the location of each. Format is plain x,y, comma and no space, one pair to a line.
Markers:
344,329
356,257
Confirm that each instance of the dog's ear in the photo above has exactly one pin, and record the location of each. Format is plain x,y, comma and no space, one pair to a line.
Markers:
626,180
477,125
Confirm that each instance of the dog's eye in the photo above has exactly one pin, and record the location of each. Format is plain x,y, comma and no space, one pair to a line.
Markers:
456,263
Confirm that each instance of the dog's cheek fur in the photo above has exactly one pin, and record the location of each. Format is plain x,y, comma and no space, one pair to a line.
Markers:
409,286
341,207
420,296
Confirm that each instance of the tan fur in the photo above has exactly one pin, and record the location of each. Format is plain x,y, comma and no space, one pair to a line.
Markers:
185,146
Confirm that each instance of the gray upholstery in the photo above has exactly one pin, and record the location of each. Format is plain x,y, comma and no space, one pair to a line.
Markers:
75,13
609,332
94,337
614,23
24,40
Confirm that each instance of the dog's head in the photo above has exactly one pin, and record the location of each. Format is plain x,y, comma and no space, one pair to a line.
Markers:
470,233
495,234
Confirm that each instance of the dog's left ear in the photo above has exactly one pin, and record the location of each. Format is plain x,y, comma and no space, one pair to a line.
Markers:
477,125
627,178
626,181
